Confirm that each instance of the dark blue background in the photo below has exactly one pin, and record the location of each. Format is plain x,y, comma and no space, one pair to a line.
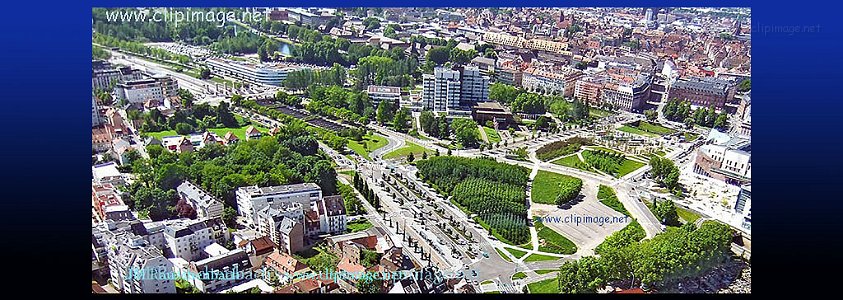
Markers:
45,115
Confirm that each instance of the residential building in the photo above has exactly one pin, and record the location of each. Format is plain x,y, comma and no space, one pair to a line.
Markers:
310,286
589,89
108,204
159,89
556,81
332,214
186,238
252,199
485,64
133,263
206,206
378,93
285,264
703,91
454,91
441,90
474,86
96,119
252,133
220,272
283,223
268,74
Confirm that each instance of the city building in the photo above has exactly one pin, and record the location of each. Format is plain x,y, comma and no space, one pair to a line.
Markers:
95,112
485,64
589,89
557,81
206,206
285,264
378,93
108,204
159,89
268,74
441,90
492,111
726,158
252,199
454,91
310,286
186,238
743,206
133,257
332,214
283,223
217,273
104,77
702,91
629,96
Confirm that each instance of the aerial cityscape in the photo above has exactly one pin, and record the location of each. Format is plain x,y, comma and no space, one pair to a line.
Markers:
421,150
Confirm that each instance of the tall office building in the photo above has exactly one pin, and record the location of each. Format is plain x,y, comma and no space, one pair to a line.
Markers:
441,90
454,91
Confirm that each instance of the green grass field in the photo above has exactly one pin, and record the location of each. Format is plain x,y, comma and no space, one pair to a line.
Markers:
546,187
542,272
492,134
547,286
539,257
359,225
604,149
553,241
628,166
505,257
607,196
633,130
515,252
519,275
655,128
240,132
406,150
367,145
687,215
599,113
568,161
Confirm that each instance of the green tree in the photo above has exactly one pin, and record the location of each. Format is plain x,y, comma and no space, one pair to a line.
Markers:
651,115
438,55
228,216
384,112
462,57
401,120
184,128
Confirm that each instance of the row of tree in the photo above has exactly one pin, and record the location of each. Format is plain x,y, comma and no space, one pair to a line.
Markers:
435,126
369,194
185,121
680,111
562,148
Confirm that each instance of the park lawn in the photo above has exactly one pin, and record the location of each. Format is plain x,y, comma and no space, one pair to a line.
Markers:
406,150
540,257
546,187
542,272
568,161
519,275
547,286
358,226
690,137
487,282
599,113
610,199
369,143
603,149
505,257
687,215
515,252
633,130
628,166
240,132
492,135
655,128
553,241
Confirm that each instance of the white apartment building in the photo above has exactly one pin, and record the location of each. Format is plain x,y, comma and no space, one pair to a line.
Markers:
474,86
230,266
271,223
104,77
378,93
629,96
157,88
560,82
453,91
206,206
333,220
252,199
441,90
95,112
268,74
134,263
186,239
